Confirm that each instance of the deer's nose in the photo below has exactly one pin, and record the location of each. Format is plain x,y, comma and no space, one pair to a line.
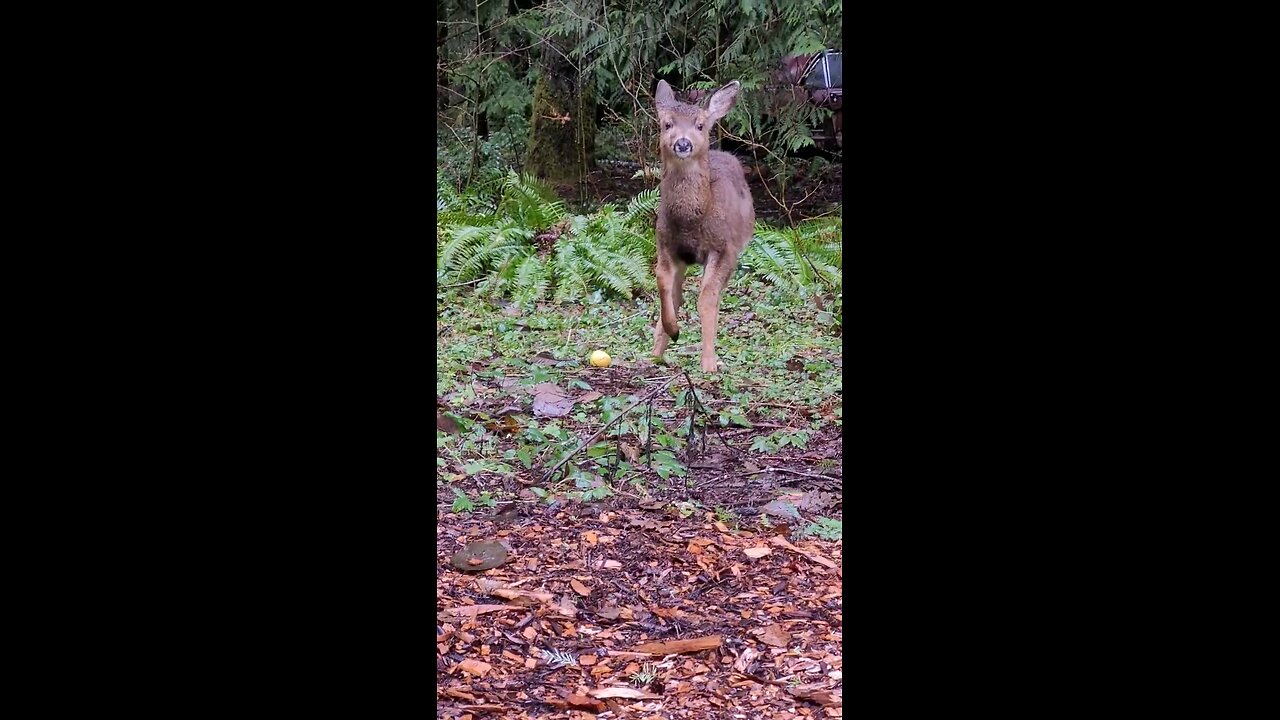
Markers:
683,146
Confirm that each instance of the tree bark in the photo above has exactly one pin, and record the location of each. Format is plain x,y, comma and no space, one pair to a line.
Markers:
562,131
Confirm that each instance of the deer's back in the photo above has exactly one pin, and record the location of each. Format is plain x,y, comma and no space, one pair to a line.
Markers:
733,212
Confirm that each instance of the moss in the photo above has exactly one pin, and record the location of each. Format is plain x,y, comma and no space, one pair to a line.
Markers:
562,129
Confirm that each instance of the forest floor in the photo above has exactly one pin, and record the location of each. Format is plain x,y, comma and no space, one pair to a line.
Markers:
814,191
684,560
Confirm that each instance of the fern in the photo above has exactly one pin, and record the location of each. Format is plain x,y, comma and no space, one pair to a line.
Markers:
803,258
611,251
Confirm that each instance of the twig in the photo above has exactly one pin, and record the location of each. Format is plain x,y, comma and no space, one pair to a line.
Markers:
648,435
469,282
697,405
551,473
793,472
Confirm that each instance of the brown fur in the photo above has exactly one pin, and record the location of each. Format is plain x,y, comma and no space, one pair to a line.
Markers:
706,215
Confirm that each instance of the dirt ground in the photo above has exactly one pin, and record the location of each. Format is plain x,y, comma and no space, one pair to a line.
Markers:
810,195
631,606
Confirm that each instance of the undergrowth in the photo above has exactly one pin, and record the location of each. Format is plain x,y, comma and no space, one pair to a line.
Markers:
514,238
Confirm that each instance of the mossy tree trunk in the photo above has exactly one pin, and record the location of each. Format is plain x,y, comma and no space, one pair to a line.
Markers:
562,131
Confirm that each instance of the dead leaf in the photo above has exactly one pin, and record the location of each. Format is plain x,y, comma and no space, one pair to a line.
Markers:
756,552
446,423
475,667
631,452
825,562
470,611
551,401
587,397
579,588
781,509
544,358
504,424
776,636
624,692
582,701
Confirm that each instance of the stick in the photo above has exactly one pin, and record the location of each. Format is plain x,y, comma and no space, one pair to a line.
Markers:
793,472
469,282
593,438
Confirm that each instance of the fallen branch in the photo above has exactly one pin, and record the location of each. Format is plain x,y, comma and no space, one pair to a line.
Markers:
793,472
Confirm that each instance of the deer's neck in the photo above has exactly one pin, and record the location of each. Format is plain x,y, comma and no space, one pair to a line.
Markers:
686,190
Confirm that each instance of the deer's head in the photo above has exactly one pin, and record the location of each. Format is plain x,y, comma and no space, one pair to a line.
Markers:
686,128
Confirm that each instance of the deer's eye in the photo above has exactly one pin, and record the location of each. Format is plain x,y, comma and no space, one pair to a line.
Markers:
667,125
699,126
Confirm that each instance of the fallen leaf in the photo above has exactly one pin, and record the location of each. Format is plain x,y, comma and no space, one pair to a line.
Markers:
475,667
579,588
587,397
756,552
781,509
550,401
582,701
446,423
776,636
825,562
470,611
544,358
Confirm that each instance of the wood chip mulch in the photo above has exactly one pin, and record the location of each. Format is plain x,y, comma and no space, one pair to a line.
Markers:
624,613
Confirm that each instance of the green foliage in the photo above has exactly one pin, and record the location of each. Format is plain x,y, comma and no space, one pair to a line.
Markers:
780,439
529,248
462,503
803,258
463,160
826,528
489,61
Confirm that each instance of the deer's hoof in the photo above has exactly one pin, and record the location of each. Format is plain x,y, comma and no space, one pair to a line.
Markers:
711,364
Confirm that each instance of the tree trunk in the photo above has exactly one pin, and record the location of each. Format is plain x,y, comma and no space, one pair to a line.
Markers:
562,131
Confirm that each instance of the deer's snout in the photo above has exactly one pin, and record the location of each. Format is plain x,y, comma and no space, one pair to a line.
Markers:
683,147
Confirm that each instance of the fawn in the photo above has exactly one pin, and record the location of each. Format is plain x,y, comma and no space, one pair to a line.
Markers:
706,215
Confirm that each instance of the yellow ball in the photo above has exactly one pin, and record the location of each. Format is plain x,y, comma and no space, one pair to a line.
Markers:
600,358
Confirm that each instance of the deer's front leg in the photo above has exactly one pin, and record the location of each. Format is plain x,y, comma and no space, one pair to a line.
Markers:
709,310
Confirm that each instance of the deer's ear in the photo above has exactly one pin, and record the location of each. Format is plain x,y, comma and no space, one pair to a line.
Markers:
722,101
664,95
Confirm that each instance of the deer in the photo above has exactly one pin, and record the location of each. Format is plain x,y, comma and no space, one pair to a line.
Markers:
705,215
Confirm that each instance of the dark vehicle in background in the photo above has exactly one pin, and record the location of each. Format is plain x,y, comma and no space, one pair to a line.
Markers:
817,79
